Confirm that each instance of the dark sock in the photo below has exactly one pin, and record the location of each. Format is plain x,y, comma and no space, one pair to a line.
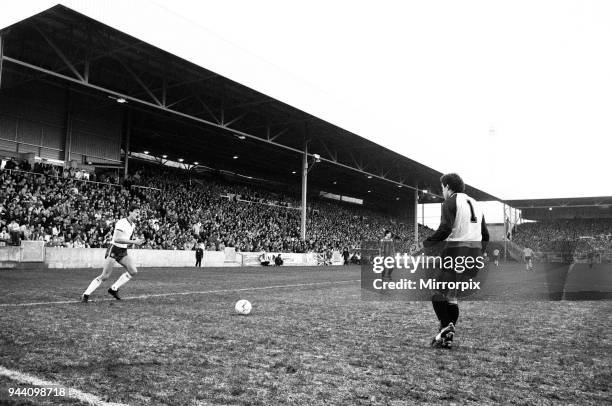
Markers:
440,306
453,312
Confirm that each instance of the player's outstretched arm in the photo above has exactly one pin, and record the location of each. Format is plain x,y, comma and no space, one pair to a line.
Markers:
449,211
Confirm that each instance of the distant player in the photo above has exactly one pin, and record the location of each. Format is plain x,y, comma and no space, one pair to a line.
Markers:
387,249
264,259
328,256
117,251
591,258
346,255
528,256
496,256
463,228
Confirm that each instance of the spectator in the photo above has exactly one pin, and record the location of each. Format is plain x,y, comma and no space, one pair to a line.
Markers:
5,237
346,255
11,164
15,233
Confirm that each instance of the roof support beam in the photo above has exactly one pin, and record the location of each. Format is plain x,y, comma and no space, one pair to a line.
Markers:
278,134
139,81
86,70
115,51
178,84
334,157
176,102
240,117
60,54
207,109
359,166
88,55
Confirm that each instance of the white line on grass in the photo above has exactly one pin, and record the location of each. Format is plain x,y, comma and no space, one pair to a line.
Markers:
200,292
70,392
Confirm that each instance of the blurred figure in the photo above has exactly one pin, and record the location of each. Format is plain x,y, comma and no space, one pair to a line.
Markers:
199,253
15,233
528,257
346,255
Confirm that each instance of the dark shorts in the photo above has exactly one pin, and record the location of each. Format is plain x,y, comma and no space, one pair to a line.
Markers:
527,259
117,253
458,275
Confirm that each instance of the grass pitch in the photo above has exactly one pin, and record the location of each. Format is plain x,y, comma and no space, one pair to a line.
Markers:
310,340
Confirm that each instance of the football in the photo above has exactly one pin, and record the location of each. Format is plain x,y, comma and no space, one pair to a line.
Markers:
243,307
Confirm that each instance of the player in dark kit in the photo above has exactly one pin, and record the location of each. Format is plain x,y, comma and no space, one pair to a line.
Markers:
464,231
346,255
387,249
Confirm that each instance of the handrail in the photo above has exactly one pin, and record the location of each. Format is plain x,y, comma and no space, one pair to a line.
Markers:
80,180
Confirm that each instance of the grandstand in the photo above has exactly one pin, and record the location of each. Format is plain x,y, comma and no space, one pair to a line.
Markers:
113,102
586,221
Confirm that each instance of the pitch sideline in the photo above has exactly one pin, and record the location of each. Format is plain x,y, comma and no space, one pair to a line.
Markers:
24,378
201,292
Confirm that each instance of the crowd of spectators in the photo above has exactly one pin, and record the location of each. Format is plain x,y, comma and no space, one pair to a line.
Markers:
593,234
66,208
178,210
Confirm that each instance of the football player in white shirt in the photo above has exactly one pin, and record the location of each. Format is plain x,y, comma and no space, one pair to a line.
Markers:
465,233
528,255
496,256
117,251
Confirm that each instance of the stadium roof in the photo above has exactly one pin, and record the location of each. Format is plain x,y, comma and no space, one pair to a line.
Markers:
564,208
600,201
183,110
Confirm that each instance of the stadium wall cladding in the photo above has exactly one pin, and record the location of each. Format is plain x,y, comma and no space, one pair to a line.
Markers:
53,257
55,123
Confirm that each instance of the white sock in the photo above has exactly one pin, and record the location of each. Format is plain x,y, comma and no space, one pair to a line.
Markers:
123,279
93,286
